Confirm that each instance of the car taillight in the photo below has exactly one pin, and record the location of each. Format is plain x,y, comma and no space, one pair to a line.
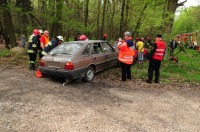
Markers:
69,66
41,62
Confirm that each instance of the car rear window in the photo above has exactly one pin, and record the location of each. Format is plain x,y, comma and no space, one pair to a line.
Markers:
68,48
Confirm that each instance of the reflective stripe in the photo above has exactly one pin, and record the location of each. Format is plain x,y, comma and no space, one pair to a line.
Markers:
128,57
126,60
34,45
32,62
49,43
30,51
30,38
160,50
159,54
44,53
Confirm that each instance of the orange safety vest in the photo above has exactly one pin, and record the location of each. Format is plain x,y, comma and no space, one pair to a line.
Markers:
160,50
46,40
125,53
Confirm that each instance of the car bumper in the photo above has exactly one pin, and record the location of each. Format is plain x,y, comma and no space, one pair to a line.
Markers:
62,73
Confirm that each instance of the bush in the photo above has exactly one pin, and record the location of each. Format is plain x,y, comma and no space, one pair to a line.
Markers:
4,52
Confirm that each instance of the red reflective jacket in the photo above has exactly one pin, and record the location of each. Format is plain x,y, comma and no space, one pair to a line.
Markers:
160,50
125,53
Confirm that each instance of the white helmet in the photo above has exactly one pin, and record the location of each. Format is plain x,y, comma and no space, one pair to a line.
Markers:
60,38
41,31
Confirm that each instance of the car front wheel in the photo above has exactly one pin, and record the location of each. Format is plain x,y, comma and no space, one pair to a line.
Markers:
89,75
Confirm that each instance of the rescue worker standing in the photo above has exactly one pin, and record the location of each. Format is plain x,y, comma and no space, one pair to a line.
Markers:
126,53
32,48
52,44
155,57
44,40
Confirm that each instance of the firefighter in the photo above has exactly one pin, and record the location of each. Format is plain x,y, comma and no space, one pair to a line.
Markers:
52,44
155,57
83,38
126,53
104,37
32,48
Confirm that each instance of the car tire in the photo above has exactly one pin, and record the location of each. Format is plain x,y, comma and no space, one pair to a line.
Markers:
89,75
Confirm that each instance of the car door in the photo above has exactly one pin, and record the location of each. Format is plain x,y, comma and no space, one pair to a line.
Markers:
98,56
110,53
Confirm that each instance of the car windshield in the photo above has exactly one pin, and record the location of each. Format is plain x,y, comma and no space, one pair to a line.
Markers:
69,49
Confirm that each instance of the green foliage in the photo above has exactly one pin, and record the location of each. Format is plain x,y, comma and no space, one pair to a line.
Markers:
4,52
188,21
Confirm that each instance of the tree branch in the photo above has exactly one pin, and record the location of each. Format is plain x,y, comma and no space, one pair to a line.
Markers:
32,16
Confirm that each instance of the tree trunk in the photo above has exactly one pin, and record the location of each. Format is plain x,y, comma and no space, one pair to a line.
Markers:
98,16
126,15
103,16
25,6
171,6
86,13
7,23
57,27
122,17
4,36
112,33
138,24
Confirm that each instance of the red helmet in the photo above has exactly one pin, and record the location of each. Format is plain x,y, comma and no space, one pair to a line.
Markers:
105,35
83,37
36,32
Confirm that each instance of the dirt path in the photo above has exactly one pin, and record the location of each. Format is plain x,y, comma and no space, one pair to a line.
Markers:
29,104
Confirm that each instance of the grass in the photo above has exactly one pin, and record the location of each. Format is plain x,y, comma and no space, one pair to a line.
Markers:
186,70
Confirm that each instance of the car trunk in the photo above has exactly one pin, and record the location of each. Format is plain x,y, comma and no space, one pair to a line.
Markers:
56,61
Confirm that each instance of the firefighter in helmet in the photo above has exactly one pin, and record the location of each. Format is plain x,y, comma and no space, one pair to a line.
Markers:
32,48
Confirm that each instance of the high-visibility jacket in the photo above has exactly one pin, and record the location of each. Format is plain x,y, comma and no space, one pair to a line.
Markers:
45,40
125,53
160,50
32,45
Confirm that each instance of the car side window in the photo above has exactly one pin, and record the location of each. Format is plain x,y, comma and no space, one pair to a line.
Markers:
107,47
87,50
97,48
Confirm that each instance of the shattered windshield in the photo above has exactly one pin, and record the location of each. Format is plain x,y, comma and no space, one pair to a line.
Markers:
69,49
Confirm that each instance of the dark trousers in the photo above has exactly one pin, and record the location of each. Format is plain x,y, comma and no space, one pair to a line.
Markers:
40,54
154,65
32,58
126,71
171,51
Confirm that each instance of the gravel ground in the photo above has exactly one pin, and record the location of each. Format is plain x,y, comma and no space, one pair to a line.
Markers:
30,104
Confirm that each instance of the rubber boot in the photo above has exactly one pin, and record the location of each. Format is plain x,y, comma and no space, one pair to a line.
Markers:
33,67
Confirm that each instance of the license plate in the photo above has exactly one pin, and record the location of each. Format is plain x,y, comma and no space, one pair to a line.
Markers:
56,64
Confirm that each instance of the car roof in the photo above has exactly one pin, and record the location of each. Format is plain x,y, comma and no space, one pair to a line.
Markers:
85,42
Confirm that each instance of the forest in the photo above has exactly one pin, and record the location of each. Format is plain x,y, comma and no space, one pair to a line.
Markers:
95,17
